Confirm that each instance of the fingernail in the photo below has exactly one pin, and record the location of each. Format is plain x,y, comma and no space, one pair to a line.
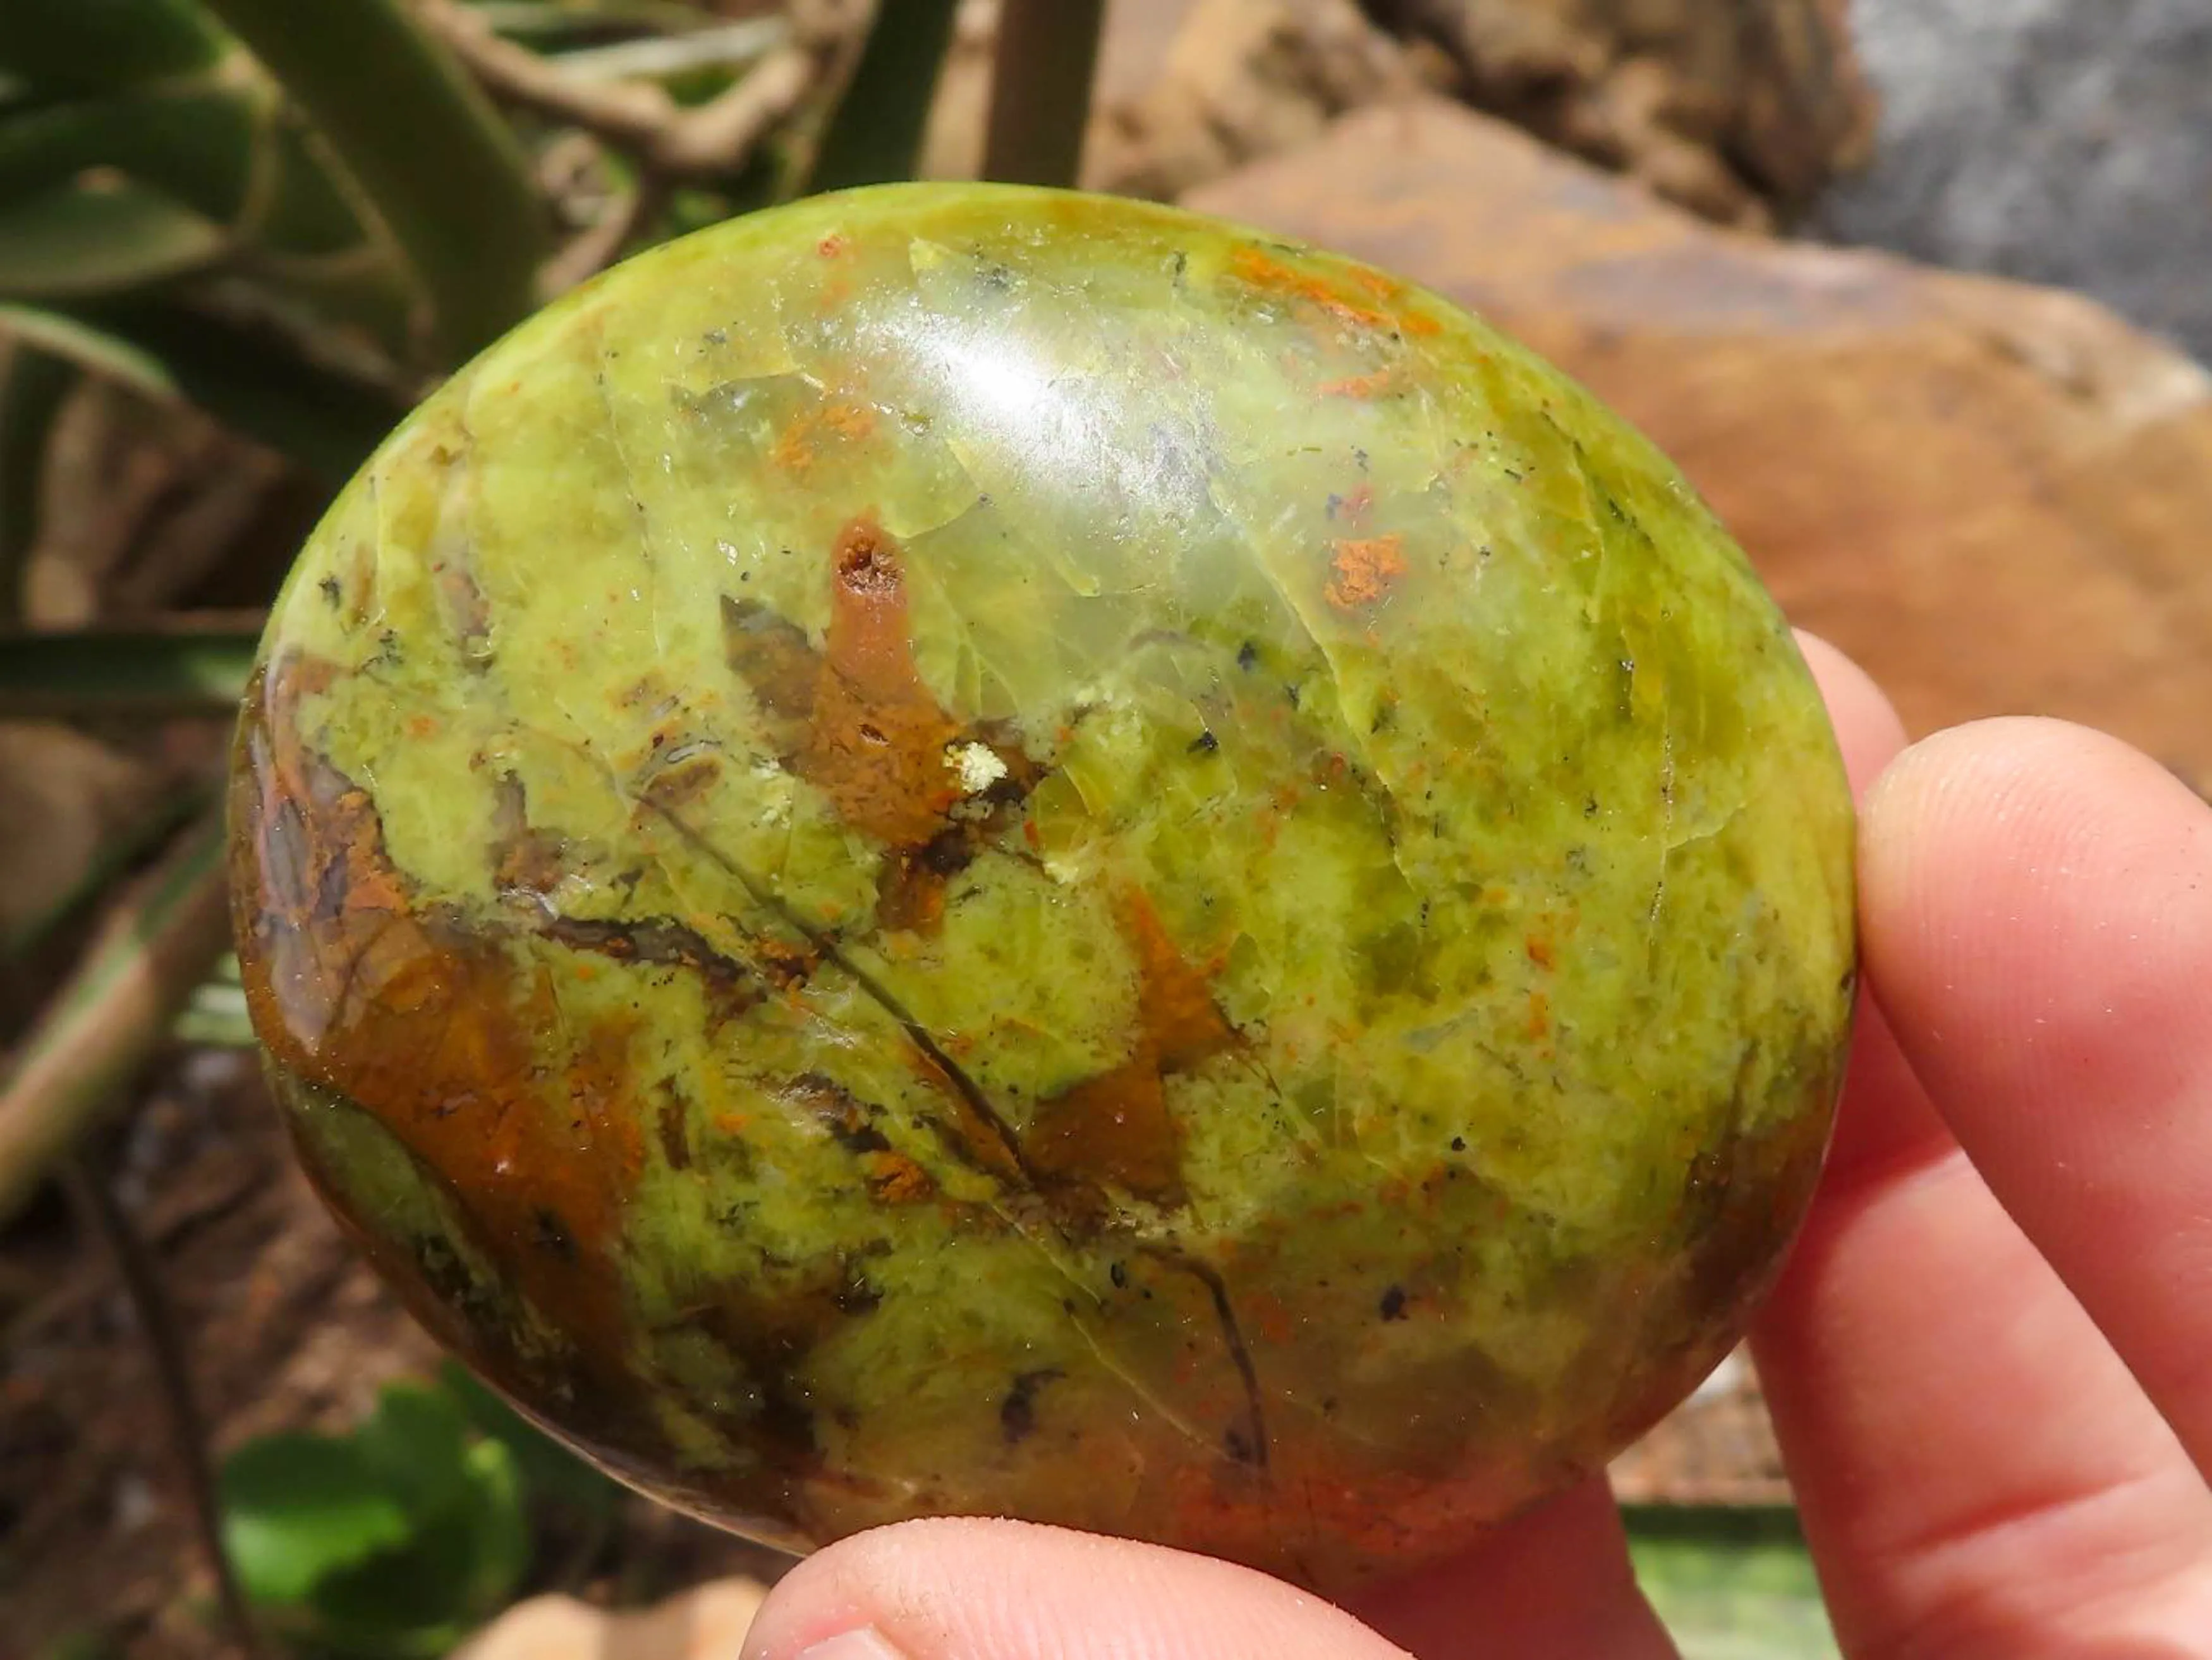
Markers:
865,1643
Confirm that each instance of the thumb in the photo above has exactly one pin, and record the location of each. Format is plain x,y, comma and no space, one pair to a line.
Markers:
968,1590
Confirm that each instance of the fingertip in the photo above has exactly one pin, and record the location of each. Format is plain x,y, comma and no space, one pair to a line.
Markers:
972,1588
2036,910
1868,729
2012,834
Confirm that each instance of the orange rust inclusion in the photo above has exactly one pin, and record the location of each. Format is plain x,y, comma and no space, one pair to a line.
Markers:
800,444
1116,1126
1364,569
877,738
439,1034
856,721
1271,275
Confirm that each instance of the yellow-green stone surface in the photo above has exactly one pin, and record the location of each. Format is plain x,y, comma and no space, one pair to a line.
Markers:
962,849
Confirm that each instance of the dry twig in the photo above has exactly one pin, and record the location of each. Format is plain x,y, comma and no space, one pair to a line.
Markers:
157,945
105,1219
709,141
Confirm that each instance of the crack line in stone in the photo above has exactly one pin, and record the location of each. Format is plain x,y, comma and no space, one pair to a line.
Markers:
1231,1334
970,1094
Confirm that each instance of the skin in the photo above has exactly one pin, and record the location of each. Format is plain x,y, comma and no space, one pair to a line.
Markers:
1987,1360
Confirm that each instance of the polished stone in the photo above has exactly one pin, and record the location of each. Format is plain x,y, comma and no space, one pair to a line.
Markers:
965,850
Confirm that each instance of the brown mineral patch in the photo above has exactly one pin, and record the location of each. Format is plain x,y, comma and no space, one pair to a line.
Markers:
436,1032
1116,1126
876,741
1364,569
835,422
1113,1127
1271,275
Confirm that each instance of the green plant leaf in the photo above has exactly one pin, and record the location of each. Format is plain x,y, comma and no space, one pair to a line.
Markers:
73,244
428,152
115,671
61,334
461,1564
1731,1583
193,143
299,1509
389,1542
153,947
86,45
875,138
416,1440
326,420
551,1473
38,383
499,1520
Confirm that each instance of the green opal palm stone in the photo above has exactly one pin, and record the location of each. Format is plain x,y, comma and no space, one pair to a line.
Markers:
959,849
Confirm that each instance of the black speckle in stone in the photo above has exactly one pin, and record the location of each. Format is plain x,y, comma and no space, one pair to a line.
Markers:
1589,807
1238,1446
784,1418
1248,654
1459,1144
1018,1411
1119,1276
1205,744
1393,1305
947,853
553,1235
857,1294
331,591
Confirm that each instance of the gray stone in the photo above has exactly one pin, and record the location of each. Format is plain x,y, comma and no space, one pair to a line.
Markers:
2060,140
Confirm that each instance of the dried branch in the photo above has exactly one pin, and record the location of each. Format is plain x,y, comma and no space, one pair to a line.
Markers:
104,1219
158,945
598,246
709,141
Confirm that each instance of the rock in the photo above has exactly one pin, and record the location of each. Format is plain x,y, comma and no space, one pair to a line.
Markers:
1994,495
1242,79
997,935
2061,140
1739,111
708,1622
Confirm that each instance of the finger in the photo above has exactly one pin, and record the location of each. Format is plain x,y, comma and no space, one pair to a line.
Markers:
1554,1583
1012,1590
2040,927
1978,1473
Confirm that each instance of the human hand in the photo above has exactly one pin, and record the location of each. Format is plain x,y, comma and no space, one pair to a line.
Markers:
1990,1361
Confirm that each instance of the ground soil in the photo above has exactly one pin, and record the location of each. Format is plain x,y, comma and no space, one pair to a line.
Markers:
285,1329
